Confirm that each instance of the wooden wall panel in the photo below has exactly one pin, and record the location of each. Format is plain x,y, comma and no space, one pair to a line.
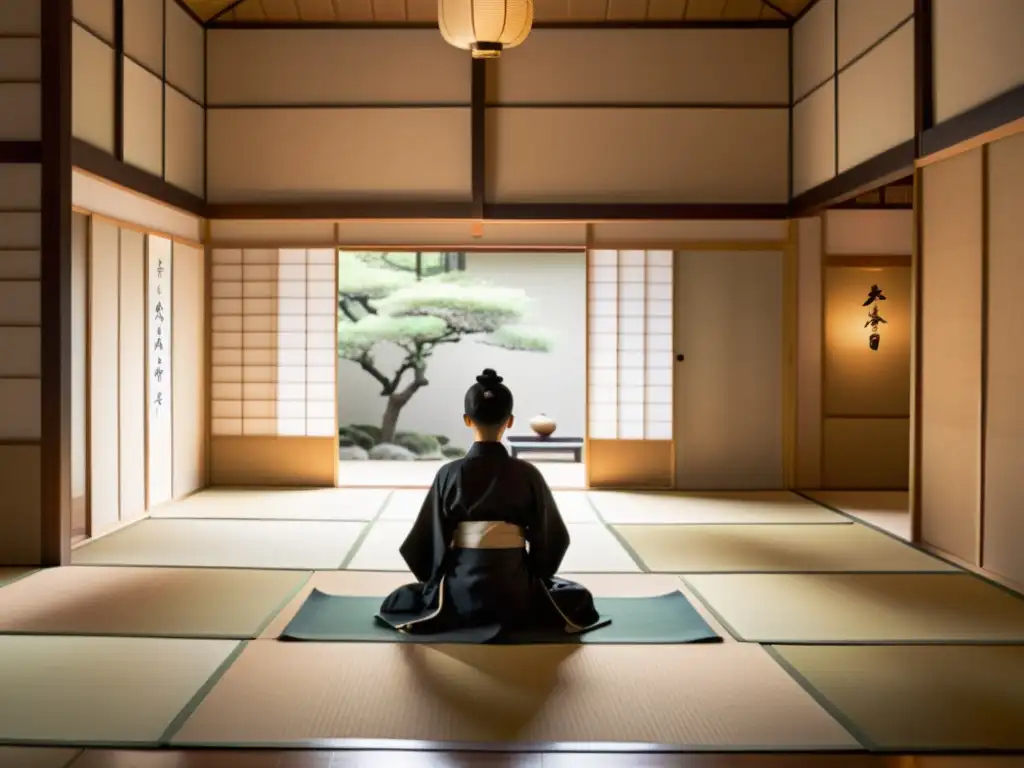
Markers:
20,504
951,354
630,464
184,133
814,140
92,90
143,119
862,23
19,230
642,155
21,109
98,196
868,454
1004,431
20,297
104,354
144,33
977,52
273,461
79,373
574,66
19,59
814,48
189,394
308,154
185,41
132,376
332,67
876,100
860,382
809,353
869,233
97,15
672,234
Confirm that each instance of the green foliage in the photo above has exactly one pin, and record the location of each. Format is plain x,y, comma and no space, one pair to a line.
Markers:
354,436
356,339
452,452
442,440
521,337
421,445
369,429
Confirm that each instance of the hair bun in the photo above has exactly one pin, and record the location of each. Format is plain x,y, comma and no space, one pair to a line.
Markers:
489,378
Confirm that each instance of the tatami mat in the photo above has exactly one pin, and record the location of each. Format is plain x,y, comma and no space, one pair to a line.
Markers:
289,545
694,696
115,690
593,549
863,608
772,548
574,507
921,697
279,504
160,602
888,510
377,584
659,507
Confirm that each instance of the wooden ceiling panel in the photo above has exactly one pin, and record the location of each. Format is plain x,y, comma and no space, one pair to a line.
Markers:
666,10
627,10
207,9
545,11
551,10
743,10
389,11
354,11
588,10
421,10
280,10
316,10
704,10
792,7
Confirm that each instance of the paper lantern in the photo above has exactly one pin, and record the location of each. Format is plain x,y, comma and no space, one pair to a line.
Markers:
485,27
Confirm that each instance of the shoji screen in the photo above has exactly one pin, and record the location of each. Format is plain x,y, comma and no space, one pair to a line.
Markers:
630,361
274,363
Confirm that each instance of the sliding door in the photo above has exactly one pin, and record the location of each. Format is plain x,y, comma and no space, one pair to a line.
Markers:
729,383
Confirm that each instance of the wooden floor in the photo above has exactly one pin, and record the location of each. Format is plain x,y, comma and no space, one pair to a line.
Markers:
23,758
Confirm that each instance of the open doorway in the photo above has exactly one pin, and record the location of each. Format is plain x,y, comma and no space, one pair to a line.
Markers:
414,330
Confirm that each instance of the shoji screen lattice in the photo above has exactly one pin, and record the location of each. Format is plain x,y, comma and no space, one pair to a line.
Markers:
274,357
630,345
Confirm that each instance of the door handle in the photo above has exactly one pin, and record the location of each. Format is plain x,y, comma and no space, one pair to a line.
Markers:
680,357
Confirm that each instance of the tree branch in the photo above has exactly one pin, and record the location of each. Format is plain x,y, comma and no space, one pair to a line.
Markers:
367,364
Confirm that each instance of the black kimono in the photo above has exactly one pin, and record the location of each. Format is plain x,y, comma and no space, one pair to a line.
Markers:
485,548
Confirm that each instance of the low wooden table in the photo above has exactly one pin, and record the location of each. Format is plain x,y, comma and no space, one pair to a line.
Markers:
536,444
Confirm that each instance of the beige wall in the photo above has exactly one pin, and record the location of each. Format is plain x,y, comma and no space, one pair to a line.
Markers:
972,434
577,115
20,371
853,85
853,404
977,53
163,123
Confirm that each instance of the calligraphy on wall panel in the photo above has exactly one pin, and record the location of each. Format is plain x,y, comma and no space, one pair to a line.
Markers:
159,425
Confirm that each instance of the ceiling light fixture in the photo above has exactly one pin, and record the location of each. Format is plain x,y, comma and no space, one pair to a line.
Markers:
485,27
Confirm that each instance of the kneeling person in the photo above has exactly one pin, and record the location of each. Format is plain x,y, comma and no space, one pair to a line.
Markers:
487,543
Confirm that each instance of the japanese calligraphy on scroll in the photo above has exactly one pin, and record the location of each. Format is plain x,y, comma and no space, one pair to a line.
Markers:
158,318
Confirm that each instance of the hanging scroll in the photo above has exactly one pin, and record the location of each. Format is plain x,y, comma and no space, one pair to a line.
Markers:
158,313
